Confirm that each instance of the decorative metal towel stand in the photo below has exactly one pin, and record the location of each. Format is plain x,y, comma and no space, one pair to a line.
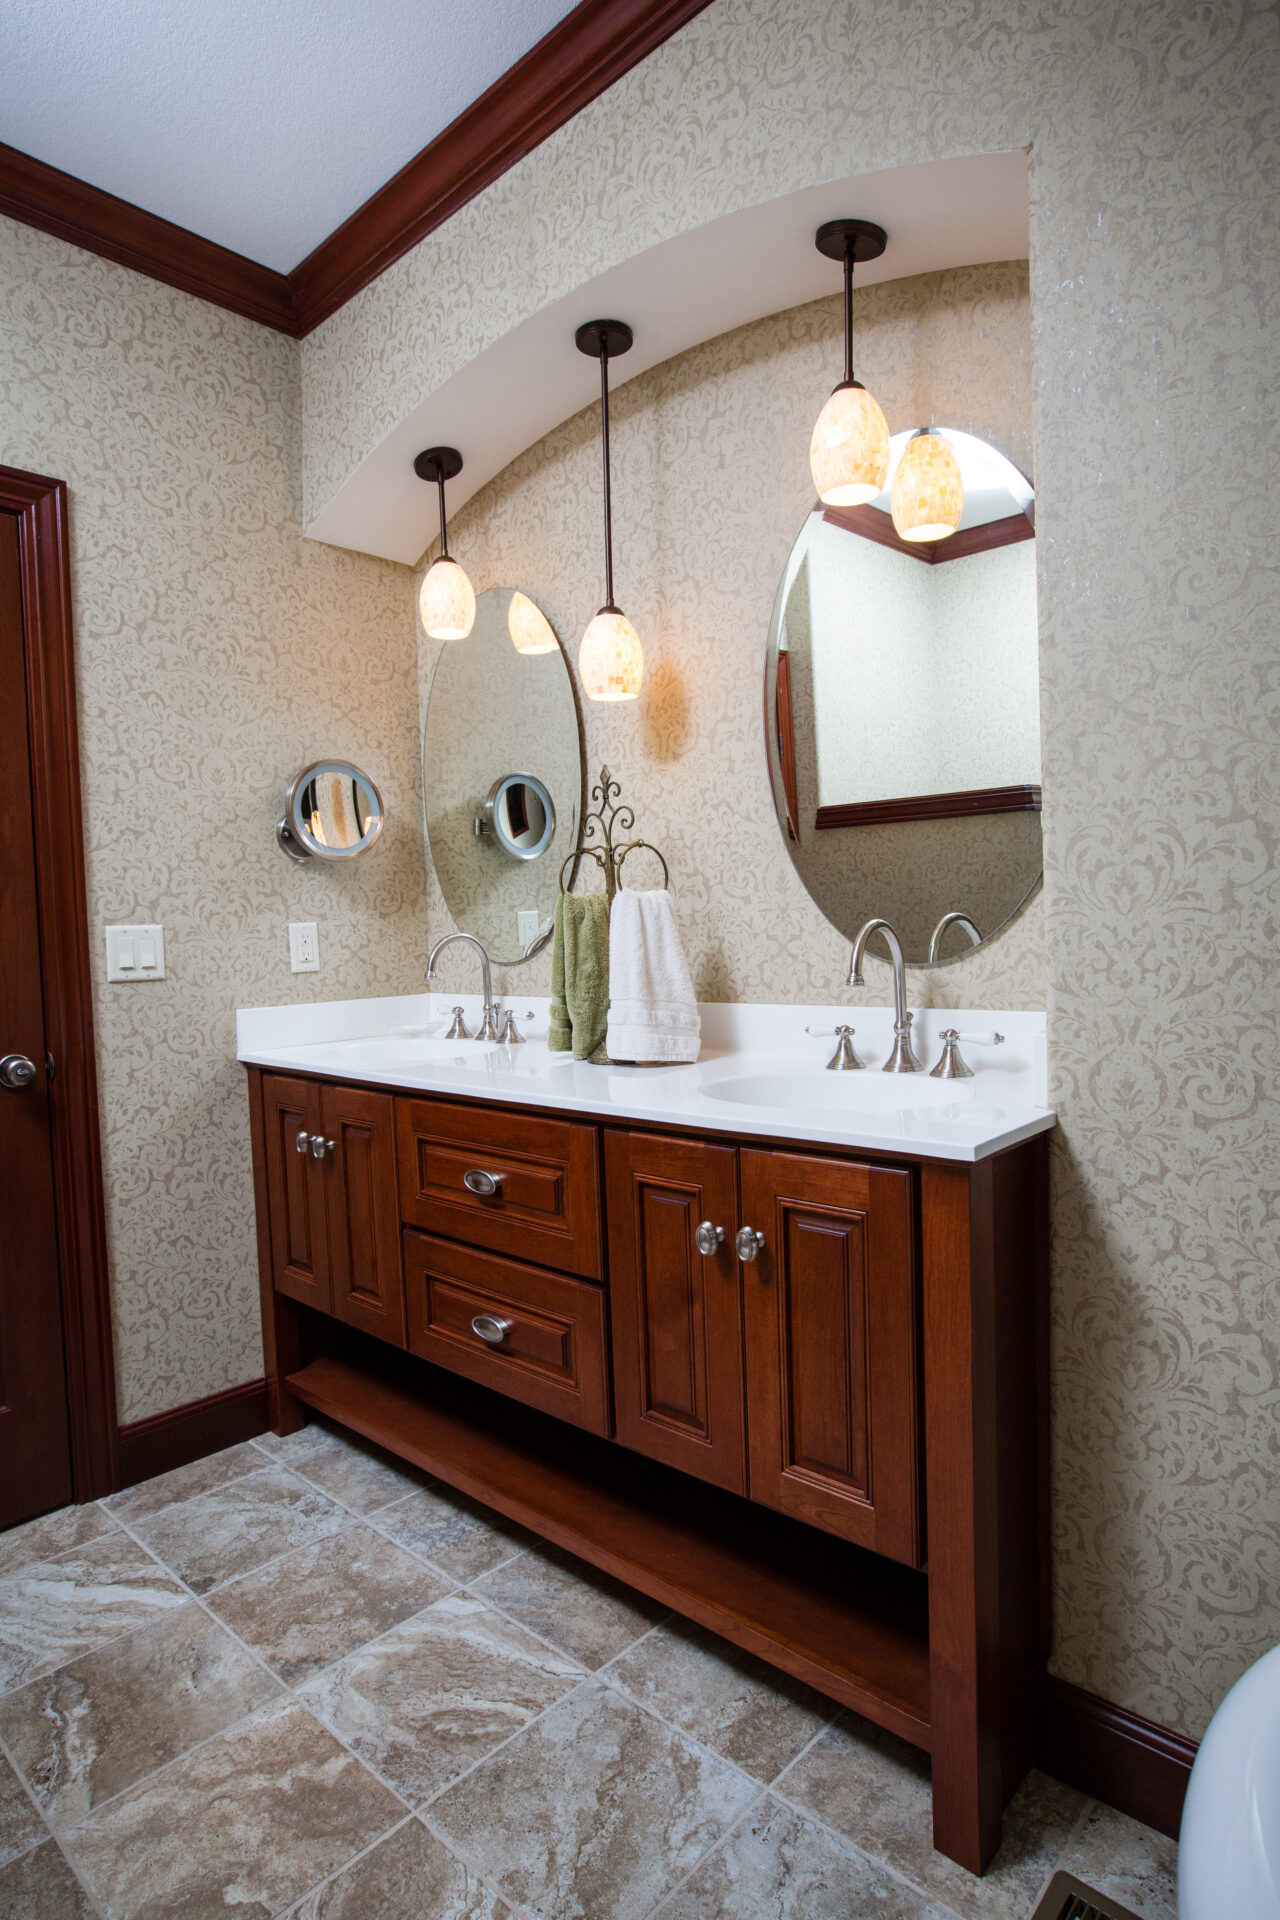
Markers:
607,817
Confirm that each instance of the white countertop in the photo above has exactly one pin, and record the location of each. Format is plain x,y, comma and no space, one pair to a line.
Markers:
398,1042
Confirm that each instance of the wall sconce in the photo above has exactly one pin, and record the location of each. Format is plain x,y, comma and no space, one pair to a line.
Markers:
447,600
849,451
529,627
610,658
928,492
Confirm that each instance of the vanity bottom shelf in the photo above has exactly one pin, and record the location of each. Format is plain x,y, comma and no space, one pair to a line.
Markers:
848,1622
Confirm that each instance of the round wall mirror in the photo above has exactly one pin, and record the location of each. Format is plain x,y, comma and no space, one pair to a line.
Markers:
333,812
903,701
502,774
521,816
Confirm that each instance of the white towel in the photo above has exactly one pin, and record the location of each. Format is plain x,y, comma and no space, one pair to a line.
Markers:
652,1012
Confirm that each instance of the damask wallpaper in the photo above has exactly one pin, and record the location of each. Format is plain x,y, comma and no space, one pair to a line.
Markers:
1152,146
217,652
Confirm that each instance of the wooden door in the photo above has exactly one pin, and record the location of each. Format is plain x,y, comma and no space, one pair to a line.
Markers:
35,1448
296,1190
366,1278
676,1312
832,1373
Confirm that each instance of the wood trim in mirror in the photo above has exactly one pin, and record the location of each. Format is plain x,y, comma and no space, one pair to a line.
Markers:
874,525
930,806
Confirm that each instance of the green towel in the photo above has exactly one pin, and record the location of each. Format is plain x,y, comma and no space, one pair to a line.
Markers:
579,975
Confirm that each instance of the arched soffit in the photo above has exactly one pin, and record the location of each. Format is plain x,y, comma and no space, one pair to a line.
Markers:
760,260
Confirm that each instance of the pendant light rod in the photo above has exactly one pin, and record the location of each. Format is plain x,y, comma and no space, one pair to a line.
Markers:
605,339
850,241
439,464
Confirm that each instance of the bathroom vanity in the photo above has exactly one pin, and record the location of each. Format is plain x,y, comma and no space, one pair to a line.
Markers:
765,1342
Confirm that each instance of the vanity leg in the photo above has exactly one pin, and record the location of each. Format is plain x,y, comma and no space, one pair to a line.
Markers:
982,1444
281,1321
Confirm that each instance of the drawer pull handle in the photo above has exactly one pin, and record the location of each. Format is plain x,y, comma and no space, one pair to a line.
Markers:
748,1243
708,1239
479,1182
489,1328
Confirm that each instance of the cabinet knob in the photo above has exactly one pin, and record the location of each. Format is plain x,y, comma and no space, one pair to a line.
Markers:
748,1243
707,1238
489,1328
320,1146
481,1183
302,1142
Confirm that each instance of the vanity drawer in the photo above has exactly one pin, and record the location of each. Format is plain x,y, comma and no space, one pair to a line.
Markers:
551,1346
545,1198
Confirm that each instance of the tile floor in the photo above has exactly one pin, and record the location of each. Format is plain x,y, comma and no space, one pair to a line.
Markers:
299,1679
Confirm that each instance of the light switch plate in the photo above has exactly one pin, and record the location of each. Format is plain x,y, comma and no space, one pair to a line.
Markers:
135,953
304,946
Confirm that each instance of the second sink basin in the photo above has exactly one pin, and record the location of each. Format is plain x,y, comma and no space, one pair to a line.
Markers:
820,1092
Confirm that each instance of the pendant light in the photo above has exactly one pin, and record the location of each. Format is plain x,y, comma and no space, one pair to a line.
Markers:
447,600
928,492
610,659
849,451
528,626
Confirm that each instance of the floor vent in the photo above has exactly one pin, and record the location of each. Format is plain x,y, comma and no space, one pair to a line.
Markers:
1067,1898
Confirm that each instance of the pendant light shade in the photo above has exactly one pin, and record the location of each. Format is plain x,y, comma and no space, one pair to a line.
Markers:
529,627
928,492
610,657
447,600
849,451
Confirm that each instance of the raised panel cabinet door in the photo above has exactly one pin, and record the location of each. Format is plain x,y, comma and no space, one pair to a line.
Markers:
365,1269
832,1368
295,1190
676,1312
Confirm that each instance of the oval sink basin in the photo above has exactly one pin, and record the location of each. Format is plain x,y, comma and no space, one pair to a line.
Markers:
822,1092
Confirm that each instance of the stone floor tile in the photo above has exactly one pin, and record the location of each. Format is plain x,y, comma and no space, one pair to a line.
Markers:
1135,1865
41,1886
594,1812
346,1467
407,1876
734,1704
57,1609
20,1824
232,1528
591,1616
433,1696
776,1865
243,1825
305,1611
458,1534
875,1790
95,1727
52,1534
184,1483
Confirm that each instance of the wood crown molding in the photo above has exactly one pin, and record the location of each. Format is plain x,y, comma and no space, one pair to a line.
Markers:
930,806
579,59
875,525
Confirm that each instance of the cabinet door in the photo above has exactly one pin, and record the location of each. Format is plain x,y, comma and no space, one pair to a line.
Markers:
830,1309
295,1190
366,1276
675,1312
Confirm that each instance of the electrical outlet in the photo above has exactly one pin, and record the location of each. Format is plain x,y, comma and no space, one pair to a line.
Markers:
527,924
304,946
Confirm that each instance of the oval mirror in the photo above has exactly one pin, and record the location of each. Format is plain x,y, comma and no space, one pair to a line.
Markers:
502,774
333,812
902,690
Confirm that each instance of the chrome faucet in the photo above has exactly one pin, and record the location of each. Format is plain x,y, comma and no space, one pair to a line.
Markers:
488,1029
902,1059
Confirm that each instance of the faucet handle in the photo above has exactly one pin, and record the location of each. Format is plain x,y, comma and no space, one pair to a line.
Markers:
844,1059
458,1030
952,1065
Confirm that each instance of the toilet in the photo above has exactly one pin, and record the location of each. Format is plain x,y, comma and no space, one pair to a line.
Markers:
1229,1847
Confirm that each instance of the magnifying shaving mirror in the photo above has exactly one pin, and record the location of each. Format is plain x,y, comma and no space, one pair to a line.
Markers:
333,811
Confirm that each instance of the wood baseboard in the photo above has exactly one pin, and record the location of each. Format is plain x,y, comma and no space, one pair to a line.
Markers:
1113,1755
182,1434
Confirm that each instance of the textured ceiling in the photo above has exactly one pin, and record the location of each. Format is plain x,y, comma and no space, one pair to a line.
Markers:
261,124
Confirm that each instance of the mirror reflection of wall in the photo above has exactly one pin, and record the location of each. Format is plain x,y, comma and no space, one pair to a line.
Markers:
502,773
904,687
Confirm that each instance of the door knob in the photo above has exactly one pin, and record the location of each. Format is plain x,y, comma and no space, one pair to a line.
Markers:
489,1328
707,1238
748,1243
17,1071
